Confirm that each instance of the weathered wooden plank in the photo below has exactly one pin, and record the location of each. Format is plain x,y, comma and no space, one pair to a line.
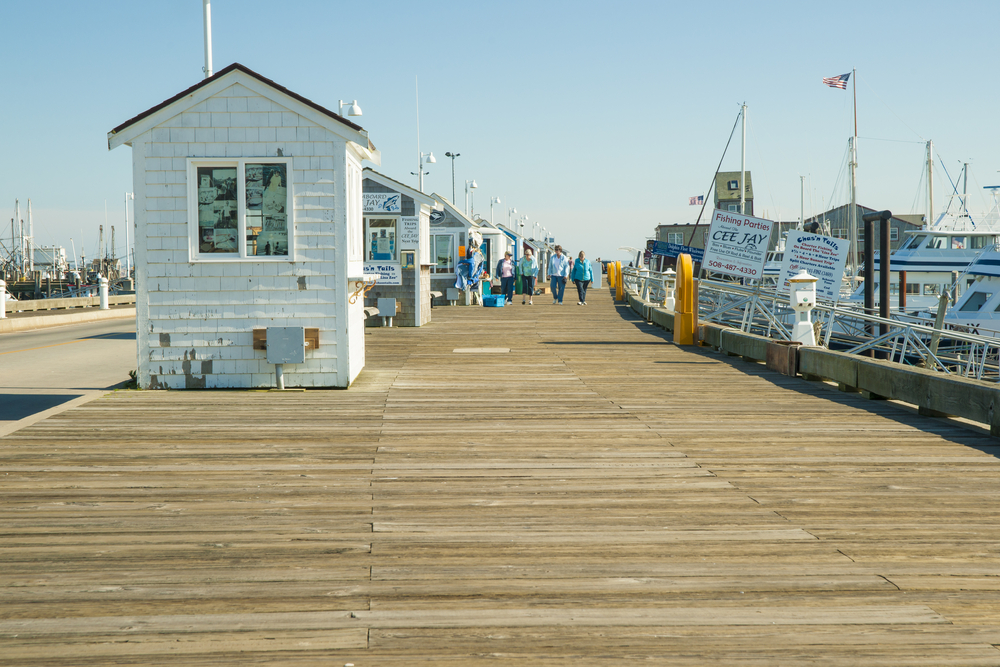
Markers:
595,495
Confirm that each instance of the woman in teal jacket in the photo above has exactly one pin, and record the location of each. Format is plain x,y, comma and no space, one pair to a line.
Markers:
582,276
528,266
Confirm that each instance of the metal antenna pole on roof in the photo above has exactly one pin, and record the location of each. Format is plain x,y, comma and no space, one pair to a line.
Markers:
207,4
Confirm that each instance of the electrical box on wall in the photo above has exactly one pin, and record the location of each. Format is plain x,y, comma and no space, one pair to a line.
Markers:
286,345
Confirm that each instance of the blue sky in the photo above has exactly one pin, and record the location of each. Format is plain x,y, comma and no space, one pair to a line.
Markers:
597,120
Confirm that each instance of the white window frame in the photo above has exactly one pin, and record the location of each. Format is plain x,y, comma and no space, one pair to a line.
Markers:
894,233
454,253
367,235
677,238
194,255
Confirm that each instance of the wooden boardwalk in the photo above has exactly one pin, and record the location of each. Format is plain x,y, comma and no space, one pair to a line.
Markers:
594,495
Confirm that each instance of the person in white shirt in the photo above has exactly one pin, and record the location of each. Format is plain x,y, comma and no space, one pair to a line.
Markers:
558,273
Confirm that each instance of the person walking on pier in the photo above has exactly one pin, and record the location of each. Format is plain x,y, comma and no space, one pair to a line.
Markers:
505,272
582,277
558,272
528,266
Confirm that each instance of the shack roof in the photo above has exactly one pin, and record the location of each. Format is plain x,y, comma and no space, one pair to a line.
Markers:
237,73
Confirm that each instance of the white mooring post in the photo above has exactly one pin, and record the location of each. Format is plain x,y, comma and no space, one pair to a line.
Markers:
104,293
803,296
3,299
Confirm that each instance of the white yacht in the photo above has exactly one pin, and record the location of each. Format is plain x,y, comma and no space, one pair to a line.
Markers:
934,257
978,309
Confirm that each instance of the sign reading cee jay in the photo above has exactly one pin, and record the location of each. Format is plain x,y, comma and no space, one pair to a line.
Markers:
737,245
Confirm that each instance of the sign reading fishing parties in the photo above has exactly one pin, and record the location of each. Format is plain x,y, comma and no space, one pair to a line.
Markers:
381,202
384,273
822,256
737,245
409,233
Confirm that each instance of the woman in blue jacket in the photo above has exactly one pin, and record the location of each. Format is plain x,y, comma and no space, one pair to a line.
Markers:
582,276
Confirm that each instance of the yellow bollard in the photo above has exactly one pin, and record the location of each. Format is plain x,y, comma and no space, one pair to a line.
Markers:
619,283
611,275
684,306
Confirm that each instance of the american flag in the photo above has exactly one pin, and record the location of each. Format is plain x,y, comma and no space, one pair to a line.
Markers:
837,81
694,201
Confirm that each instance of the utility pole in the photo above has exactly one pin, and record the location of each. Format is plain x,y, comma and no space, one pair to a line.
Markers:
207,8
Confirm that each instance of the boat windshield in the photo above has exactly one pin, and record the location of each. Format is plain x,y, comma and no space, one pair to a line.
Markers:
975,301
914,241
938,242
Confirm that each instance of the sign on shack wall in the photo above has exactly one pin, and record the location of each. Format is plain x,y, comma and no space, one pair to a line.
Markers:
822,256
384,273
737,245
409,236
382,202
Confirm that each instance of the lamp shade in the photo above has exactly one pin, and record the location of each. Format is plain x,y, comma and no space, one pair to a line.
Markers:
430,158
355,110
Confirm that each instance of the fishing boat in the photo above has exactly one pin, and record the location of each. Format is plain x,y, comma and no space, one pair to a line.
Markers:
934,256
978,309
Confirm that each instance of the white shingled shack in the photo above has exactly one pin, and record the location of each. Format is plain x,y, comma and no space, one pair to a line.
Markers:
248,214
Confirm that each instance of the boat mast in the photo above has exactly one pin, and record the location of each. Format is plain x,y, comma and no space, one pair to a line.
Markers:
853,225
31,239
930,183
20,236
802,202
743,163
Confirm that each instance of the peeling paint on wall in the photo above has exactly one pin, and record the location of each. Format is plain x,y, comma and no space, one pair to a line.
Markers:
190,381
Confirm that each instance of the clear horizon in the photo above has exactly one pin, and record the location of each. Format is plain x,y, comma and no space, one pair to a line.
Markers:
599,123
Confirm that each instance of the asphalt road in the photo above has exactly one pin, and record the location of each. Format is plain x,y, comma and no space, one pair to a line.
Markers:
49,370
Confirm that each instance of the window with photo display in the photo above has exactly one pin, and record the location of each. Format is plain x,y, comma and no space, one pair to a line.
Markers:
380,240
217,210
242,209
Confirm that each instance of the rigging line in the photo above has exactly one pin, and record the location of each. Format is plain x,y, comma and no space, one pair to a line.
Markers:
698,221
954,188
920,188
840,175
888,107
760,155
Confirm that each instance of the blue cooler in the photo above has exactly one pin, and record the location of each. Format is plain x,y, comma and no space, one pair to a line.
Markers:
493,300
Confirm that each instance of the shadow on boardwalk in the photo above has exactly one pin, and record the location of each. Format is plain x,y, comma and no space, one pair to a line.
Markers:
594,495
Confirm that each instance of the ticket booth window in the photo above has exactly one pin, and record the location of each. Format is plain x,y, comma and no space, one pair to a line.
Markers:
239,209
444,252
381,240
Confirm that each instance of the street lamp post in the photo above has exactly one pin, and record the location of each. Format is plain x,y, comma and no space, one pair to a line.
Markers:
452,156
469,185
493,200
510,212
425,158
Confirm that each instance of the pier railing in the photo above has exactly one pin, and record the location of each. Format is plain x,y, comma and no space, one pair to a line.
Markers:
906,340
33,305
